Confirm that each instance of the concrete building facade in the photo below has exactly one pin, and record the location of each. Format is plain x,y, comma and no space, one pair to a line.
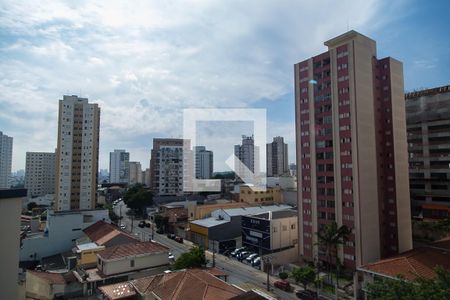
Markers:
6,145
40,169
77,154
352,165
248,154
135,172
119,166
10,209
277,157
428,121
167,166
204,163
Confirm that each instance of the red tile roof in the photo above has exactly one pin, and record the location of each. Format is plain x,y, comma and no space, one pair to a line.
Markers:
415,263
131,249
102,232
118,291
53,278
189,284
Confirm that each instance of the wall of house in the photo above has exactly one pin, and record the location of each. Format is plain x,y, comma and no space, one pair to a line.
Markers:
62,231
270,195
38,288
89,257
140,262
285,234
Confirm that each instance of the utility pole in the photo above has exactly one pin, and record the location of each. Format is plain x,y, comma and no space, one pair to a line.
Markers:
214,254
153,231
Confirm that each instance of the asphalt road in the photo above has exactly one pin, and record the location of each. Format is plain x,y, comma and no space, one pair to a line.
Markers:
239,273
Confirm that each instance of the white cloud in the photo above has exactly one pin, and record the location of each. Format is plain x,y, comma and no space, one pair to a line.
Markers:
173,54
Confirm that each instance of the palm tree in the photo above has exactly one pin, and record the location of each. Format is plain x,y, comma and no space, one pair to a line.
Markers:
329,237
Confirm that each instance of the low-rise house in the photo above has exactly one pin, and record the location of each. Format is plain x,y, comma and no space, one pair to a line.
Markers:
47,285
106,234
223,229
192,284
203,211
87,254
124,262
410,265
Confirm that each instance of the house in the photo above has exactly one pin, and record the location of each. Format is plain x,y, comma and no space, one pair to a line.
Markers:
47,285
61,231
106,234
194,284
270,231
87,254
410,265
204,211
124,262
223,229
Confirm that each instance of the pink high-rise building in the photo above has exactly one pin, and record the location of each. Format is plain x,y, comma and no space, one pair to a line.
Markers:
352,160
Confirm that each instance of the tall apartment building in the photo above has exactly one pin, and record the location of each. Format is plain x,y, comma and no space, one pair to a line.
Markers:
167,166
248,154
40,168
119,166
6,144
146,177
428,122
352,161
277,157
204,162
77,154
135,172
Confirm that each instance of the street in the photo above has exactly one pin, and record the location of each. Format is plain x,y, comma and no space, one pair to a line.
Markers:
239,273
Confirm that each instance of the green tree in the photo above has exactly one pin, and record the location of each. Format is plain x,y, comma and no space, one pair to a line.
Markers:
283,275
137,198
195,258
305,275
161,222
329,237
420,289
31,205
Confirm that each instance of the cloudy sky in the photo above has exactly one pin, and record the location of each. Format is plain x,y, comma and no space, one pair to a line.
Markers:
144,61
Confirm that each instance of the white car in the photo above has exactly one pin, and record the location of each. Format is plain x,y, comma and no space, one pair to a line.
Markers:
171,256
123,226
250,258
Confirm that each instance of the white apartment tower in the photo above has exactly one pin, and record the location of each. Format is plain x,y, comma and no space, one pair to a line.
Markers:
203,163
248,154
6,144
40,173
277,157
119,166
77,154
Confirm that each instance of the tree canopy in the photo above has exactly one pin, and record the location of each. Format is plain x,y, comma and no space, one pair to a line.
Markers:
421,289
195,258
305,275
137,198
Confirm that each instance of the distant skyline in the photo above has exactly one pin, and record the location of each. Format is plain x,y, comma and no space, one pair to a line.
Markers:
143,62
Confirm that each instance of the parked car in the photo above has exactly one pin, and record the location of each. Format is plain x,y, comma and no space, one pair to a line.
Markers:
122,226
282,285
242,255
147,224
227,252
236,251
179,239
256,261
171,236
171,257
250,258
305,295
141,224
159,231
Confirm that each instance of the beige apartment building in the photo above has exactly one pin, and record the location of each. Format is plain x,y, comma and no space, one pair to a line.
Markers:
77,154
257,195
40,173
352,159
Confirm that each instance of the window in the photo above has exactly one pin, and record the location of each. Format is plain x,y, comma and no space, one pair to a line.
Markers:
275,229
292,226
132,263
284,228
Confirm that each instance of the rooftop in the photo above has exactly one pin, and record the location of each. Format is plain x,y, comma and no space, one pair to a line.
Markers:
88,246
132,249
415,263
12,193
102,232
288,213
118,291
254,210
192,284
54,278
428,92
209,222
